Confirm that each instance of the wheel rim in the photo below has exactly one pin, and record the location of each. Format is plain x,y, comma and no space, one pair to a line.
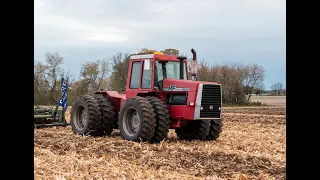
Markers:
131,121
80,117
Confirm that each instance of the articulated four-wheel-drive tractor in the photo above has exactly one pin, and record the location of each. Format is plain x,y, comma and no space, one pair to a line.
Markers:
159,96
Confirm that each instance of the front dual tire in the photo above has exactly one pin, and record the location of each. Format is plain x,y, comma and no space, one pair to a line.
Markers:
144,119
200,130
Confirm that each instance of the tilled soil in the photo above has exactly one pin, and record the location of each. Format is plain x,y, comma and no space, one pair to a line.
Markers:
251,146
256,110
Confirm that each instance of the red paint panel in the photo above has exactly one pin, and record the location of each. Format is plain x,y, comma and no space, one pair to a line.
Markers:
181,112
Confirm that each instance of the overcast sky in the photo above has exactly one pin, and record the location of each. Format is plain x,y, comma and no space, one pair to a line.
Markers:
221,31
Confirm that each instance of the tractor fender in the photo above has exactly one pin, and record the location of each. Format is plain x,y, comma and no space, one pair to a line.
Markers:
115,98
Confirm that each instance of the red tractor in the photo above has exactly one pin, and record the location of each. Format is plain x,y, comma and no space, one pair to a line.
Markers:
159,95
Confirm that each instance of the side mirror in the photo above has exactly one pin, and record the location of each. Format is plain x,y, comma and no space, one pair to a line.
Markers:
146,64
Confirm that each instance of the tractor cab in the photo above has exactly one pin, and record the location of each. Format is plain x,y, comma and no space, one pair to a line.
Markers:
146,72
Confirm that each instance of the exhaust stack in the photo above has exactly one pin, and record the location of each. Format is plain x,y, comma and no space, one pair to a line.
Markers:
194,65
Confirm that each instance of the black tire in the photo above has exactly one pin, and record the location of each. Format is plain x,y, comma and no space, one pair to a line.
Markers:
215,129
92,124
162,119
195,129
108,114
143,114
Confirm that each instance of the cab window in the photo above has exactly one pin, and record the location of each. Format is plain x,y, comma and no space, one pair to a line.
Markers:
135,75
146,75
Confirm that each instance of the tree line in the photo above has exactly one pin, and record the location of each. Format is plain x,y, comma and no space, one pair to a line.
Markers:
238,80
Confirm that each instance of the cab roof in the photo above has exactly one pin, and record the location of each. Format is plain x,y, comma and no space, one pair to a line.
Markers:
154,56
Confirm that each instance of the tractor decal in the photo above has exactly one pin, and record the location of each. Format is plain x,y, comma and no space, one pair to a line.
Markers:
174,88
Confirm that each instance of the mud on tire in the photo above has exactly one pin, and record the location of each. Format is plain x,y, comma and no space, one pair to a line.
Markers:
215,129
137,120
108,114
85,116
162,119
195,129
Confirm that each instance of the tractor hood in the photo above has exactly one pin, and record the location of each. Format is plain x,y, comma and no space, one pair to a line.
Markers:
180,85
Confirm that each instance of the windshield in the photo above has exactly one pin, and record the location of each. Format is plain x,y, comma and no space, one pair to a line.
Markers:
170,70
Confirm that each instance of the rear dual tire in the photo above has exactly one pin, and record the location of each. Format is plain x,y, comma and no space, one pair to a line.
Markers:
108,115
85,116
92,115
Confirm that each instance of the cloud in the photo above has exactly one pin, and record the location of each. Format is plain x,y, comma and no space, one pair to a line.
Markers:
229,29
128,21
66,30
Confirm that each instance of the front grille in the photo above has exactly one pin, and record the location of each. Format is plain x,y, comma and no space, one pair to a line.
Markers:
211,97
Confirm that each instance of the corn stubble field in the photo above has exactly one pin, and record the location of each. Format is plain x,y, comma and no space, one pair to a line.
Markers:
251,146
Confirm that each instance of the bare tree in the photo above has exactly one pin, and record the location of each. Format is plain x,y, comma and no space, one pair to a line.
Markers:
40,87
69,77
259,91
280,86
276,88
53,60
46,78
230,75
203,71
145,51
171,51
118,78
253,78
94,74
